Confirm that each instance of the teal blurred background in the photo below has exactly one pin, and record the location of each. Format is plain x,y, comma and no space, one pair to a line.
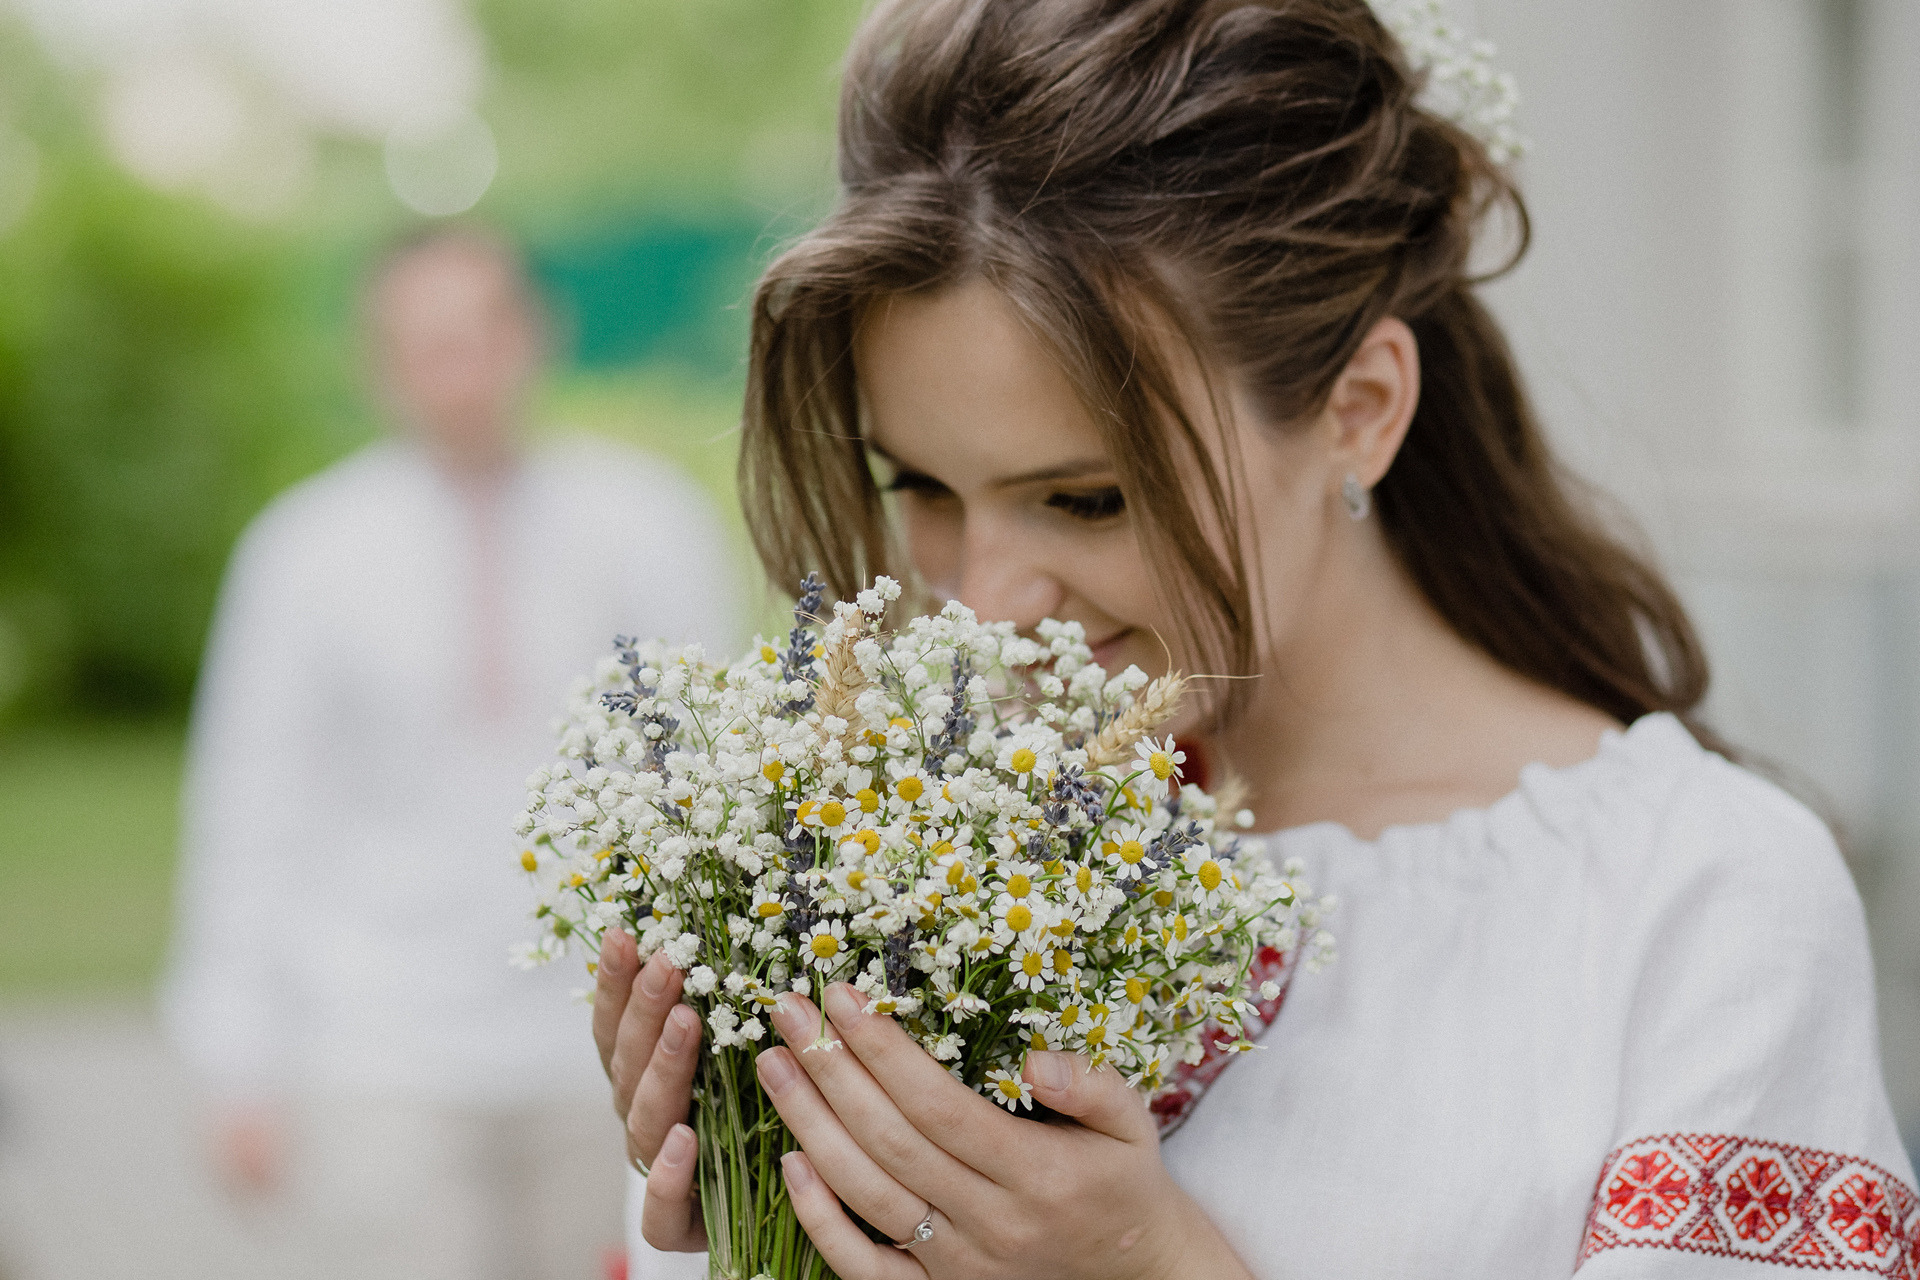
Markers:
188,193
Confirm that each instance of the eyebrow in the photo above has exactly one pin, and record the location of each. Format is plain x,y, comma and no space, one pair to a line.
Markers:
1072,470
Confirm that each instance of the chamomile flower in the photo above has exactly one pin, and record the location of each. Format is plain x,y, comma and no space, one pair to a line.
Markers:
824,946
1125,849
1008,1089
1030,964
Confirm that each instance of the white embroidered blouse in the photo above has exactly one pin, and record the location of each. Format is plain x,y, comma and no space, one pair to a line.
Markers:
1620,1022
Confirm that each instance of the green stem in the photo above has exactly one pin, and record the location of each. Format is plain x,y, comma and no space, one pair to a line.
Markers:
751,1228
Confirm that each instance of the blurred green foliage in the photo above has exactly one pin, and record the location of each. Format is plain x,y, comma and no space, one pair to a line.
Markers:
165,368
86,867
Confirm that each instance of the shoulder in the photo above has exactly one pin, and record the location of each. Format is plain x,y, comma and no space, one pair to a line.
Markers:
610,473
307,525
1672,828
379,476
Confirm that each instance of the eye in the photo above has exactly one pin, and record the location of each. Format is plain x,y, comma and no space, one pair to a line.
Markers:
1090,505
919,482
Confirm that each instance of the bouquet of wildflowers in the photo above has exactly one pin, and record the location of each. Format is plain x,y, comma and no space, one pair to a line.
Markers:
975,828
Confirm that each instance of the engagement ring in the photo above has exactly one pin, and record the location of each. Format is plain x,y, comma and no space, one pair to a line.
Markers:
921,1233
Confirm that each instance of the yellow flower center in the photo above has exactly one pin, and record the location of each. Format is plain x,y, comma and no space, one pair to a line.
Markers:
773,771
856,878
1161,765
868,840
1062,930
825,945
1031,964
1180,927
1210,875
1083,879
1023,760
1132,851
909,789
1096,1035
1019,886
833,813
868,800
1063,961
1019,917
1009,1089
528,861
875,738
1162,898
768,910
901,722
1036,1041
768,653
575,880
1137,990
1070,1015
956,873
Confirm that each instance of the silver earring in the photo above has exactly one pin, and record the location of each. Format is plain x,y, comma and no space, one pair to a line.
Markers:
1359,501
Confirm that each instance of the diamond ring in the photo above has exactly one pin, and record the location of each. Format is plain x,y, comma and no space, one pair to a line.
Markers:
921,1233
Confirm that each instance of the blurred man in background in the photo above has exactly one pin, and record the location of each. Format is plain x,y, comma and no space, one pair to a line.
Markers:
393,641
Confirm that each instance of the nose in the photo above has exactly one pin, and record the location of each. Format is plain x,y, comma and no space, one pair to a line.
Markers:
1003,576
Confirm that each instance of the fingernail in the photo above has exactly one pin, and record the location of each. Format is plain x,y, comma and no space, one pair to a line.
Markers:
653,979
612,958
680,1023
777,1072
1050,1070
678,1147
844,1003
794,1166
790,1016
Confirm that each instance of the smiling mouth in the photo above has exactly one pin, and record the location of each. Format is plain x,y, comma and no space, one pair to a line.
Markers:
1104,651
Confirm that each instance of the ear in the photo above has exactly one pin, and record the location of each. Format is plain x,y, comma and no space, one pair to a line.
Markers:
1373,400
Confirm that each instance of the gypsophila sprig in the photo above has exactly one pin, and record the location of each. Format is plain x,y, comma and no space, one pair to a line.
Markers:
1462,83
977,829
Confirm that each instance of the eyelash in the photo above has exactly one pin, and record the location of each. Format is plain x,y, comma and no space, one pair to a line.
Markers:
1093,506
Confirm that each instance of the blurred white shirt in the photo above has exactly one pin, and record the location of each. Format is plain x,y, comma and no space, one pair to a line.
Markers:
384,673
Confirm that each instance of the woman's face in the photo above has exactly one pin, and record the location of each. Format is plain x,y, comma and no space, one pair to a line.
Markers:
1010,504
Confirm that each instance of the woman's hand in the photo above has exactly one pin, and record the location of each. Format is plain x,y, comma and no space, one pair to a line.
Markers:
649,1044
886,1129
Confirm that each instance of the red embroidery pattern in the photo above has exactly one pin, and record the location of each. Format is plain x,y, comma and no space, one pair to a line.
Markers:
1173,1104
1763,1201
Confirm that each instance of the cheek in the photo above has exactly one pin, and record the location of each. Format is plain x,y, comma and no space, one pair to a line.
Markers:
1290,536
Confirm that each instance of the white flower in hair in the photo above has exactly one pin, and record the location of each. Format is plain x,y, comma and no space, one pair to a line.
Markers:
1462,83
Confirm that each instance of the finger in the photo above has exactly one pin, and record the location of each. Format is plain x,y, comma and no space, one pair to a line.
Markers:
1100,1098
612,984
655,992
845,1247
670,1216
666,1088
832,1153
948,1113
870,1114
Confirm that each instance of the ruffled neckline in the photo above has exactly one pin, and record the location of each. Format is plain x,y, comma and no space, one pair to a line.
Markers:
1656,746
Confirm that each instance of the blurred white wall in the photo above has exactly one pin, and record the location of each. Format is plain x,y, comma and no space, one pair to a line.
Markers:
1716,318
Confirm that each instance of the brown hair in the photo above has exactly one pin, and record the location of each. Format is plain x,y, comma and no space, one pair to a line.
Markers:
1259,174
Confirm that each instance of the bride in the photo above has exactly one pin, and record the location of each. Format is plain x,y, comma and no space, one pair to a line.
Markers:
1157,315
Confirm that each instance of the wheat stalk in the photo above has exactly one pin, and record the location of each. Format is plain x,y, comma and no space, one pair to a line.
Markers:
1155,705
1231,796
841,684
